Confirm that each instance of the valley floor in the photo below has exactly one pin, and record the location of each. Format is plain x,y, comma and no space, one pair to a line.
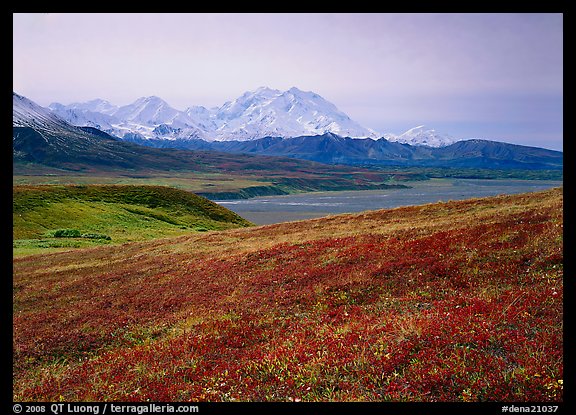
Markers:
455,301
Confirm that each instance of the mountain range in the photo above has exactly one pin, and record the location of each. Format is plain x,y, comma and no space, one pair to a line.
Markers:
44,144
332,149
42,136
255,114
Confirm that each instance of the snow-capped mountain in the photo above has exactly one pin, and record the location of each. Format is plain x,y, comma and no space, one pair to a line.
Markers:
292,113
147,117
255,114
95,105
148,111
40,136
264,112
422,136
85,116
26,113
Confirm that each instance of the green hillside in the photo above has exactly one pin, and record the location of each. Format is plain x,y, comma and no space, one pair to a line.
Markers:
46,218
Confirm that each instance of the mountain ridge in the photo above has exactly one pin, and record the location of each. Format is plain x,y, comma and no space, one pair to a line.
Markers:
40,135
332,149
253,115
86,150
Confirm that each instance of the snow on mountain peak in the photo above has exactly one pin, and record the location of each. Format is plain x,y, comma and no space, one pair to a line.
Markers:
264,90
150,100
292,113
150,111
254,114
303,94
26,113
422,136
237,108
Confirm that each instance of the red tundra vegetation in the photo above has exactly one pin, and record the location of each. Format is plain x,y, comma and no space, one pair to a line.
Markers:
456,301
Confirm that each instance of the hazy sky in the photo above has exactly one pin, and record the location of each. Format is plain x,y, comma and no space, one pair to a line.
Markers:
494,76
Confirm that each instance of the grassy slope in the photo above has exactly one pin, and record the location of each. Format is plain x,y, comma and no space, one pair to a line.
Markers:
125,213
457,301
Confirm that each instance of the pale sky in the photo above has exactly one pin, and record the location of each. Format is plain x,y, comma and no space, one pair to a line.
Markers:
494,76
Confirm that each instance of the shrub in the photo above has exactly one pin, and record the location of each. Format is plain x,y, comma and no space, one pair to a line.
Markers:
75,233
65,233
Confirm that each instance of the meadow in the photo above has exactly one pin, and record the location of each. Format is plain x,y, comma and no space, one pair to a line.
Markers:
48,218
457,301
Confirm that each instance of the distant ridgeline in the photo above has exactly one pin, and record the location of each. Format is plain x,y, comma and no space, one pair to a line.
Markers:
333,149
41,136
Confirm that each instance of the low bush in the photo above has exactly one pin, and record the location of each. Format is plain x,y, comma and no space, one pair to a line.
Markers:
65,233
75,233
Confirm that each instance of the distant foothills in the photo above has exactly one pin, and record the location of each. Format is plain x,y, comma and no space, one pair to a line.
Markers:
265,122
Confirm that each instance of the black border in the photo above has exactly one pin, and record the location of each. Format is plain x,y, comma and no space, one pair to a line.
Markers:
487,6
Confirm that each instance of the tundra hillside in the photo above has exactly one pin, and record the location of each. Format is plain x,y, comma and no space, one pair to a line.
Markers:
456,301
49,218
